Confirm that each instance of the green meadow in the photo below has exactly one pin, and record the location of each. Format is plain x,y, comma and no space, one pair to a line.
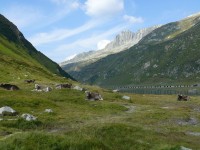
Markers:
144,122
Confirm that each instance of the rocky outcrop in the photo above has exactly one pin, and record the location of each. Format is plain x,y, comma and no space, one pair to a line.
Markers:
7,111
28,117
127,38
122,41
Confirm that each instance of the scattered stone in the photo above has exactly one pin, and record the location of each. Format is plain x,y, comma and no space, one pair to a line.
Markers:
93,96
184,148
126,97
48,110
28,117
190,121
7,111
193,133
78,88
115,91
9,87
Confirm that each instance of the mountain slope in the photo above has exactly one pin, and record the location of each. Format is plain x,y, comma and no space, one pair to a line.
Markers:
17,55
122,41
169,54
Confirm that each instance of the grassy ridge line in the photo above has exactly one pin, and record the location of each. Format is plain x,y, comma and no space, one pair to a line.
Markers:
14,45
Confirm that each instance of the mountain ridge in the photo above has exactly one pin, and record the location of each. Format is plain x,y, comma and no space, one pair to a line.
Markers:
15,48
122,41
169,54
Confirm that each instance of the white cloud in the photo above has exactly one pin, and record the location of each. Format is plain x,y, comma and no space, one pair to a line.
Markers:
133,20
89,43
60,34
102,44
98,8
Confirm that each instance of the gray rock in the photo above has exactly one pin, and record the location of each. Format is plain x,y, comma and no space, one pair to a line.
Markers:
78,88
28,117
115,91
184,148
126,97
193,133
7,111
48,110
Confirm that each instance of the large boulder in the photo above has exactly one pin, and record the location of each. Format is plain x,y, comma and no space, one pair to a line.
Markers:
28,117
7,111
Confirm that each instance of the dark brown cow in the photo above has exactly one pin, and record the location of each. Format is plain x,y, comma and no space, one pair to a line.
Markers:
183,98
29,81
93,96
64,86
9,87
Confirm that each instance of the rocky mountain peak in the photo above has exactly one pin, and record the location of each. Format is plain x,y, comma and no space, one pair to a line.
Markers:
128,38
124,40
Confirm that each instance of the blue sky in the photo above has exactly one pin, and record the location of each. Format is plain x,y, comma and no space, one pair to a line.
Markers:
63,28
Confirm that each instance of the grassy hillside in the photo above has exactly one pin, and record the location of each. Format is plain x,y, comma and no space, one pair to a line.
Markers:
144,122
168,55
19,59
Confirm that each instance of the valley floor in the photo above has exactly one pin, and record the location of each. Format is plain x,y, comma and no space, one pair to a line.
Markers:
144,122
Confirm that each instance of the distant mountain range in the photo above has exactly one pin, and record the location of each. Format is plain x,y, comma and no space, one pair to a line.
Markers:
122,42
19,59
169,54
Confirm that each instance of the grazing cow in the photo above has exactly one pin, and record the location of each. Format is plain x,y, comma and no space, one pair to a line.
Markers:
29,81
183,98
93,96
38,87
47,89
64,86
9,87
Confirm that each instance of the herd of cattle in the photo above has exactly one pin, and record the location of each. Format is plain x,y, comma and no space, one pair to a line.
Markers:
89,95
93,96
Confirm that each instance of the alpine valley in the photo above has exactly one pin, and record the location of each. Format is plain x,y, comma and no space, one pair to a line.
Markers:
45,109
160,55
